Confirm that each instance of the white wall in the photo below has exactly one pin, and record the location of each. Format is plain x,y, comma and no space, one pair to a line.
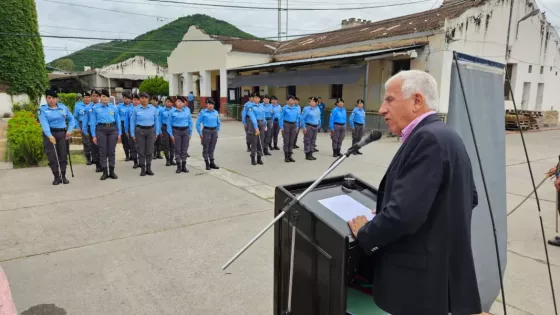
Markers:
239,59
137,65
7,101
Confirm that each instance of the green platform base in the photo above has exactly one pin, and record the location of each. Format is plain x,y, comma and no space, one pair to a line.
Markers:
359,303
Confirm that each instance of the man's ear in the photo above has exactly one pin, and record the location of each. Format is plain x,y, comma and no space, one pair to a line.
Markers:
418,100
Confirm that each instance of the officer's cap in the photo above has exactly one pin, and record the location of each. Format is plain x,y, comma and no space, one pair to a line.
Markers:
314,99
210,101
50,92
359,101
296,98
310,98
135,96
155,98
257,95
126,95
273,97
144,94
182,99
319,97
96,92
339,100
291,97
252,95
105,92
266,96
86,93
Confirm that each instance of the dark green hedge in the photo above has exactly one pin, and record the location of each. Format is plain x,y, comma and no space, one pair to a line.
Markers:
25,139
22,61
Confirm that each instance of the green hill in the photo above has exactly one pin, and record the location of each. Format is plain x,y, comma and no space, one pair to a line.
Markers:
100,55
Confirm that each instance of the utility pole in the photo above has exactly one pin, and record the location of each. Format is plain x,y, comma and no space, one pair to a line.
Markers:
279,19
286,19
508,31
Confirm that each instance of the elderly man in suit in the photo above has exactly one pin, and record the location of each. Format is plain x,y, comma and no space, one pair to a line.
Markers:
421,234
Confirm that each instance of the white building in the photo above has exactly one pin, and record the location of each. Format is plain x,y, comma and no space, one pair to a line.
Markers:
356,60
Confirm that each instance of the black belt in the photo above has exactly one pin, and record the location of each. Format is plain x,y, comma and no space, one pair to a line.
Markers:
145,127
339,124
58,129
260,120
275,119
269,118
107,125
355,123
289,122
180,128
311,125
209,128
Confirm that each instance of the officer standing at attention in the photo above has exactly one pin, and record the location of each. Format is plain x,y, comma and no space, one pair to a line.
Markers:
81,110
179,127
133,146
144,129
337,124
166,145
298,122
268,113
210,121
107,133
357,121
244,116
322,107
276,114
311,123
157,145
258,124
88,128
53,117
288,126
124,113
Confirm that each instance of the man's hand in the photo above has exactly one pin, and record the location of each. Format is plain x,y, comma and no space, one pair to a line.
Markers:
551,172
557,184
119,139
265,129
282,131
52,139
95,140
68,135
356,223
304,130
257,132
155,138
134,139
201,138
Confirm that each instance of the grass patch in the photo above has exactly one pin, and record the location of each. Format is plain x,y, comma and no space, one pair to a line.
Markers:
77,159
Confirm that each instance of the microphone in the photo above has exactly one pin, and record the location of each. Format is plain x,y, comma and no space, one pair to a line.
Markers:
368,138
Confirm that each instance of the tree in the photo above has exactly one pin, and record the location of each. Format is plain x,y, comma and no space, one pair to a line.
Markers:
22,66
64,64
155,86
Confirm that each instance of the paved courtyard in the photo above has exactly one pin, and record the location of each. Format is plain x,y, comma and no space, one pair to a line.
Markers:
155,245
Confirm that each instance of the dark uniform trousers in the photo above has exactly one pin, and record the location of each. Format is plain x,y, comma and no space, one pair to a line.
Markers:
166,143
289,136
182,139
144,144
61,150
269,130
310,137
85,142
275,131
357,133
247,132
257,142
94,148
125,140
157,145
338,136
209,140
296,137
106,142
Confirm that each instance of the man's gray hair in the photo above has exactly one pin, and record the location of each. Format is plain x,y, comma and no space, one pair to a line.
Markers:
416,81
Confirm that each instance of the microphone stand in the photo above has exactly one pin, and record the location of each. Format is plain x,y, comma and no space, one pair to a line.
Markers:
295,215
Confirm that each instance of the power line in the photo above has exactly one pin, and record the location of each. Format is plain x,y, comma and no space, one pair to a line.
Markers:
88,30
110,10
548,9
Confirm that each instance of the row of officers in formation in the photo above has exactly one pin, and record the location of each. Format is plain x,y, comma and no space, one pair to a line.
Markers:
145,130
263,121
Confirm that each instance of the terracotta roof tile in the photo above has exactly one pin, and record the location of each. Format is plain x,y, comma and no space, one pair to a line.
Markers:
248,45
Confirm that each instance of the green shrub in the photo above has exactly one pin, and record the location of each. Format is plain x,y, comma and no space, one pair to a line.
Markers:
155,86
68,99
25,139
30,107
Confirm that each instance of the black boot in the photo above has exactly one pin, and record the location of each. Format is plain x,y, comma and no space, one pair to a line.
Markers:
135,166
276,146
358,152
338,153
334,153
149,170
213,165
207,165
308,156
248,147
178,171
167,161
64,180
291,158
172,158
112,173
184,167
315,150
286,158
259,160
127,156
296,146
253,161
188,155
57,179
159,155
105,174
88,160
98,168
266,152
312,157
142,171
270,147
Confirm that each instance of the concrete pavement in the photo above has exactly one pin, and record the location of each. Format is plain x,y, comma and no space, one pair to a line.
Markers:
155,245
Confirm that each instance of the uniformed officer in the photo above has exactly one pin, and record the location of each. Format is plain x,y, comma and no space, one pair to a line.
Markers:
179,127
168,149
276,114
124,113
210,121
357,121
157,144
288,126
322,107
310,123
88,128
106,134
133,145
268,113
298,122
54,117
337,124
144,129
81,110
244,116
257,129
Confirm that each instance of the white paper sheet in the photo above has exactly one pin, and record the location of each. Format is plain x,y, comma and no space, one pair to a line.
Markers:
346,207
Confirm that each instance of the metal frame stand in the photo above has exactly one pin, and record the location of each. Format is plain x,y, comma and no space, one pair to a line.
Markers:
295,216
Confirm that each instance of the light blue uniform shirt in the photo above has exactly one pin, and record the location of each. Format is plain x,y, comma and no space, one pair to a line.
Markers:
206,118
311,115
179,118
256,113
358,115
55,118
299,117
268,111
87,122
244,113
338,115
145,117
80,112
289,114
190,97
322,108
104,114
276,112
163,115
124,114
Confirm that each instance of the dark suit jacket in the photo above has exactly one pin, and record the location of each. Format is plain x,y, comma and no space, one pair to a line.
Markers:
421,235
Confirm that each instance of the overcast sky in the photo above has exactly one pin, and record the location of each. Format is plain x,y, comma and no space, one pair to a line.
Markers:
138,17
